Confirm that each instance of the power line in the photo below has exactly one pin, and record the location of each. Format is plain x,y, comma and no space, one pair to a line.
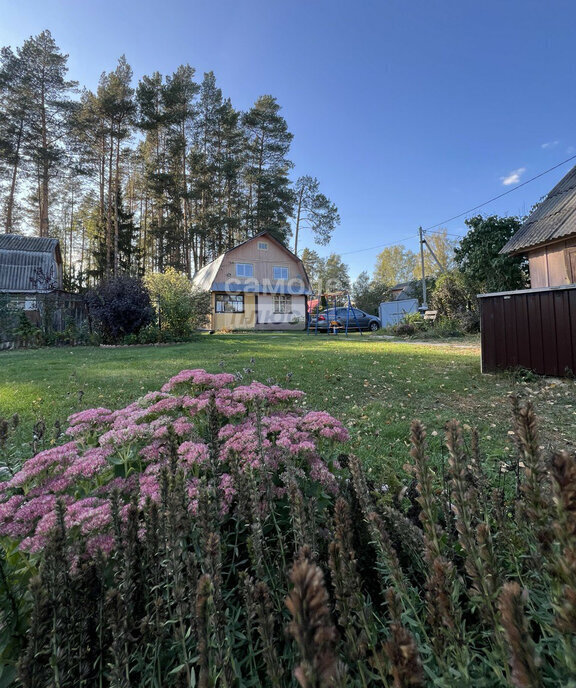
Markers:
470,210
455,217
371,248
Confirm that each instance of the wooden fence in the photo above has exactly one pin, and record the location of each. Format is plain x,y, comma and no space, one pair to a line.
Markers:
533,329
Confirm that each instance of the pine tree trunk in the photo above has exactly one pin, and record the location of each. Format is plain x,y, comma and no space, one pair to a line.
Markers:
44,188
109,211
116,218
10,202
300,196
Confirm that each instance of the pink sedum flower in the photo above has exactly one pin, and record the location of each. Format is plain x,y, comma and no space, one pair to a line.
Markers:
261,427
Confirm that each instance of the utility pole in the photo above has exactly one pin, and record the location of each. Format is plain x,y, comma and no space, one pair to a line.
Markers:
424,306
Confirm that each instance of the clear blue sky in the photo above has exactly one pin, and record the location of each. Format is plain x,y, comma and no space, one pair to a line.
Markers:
408,112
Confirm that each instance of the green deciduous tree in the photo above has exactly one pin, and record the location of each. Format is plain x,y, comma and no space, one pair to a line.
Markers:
333,274
368,294
181,309
326,274
395,264
478,255
443,248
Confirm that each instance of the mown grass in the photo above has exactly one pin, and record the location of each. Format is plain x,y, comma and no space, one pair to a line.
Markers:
376,387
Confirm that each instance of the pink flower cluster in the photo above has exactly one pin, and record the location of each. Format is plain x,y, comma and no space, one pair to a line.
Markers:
199,378
86,421
125,451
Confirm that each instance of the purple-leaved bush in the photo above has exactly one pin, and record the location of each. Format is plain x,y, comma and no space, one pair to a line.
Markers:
218,431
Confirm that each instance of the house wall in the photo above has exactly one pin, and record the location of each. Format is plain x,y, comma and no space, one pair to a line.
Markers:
259,314
267,319
235,321
553,265
263,262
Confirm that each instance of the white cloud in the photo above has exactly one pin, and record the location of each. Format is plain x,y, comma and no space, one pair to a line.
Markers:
550,144
570,150
513,177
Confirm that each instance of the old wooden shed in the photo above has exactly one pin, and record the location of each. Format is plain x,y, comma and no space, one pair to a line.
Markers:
536,328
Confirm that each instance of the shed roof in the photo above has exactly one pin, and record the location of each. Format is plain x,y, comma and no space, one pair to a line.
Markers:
17,242
24,261
553,219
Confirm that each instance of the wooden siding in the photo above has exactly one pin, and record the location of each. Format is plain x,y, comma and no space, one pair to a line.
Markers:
234,321
550,266
533,329
263,262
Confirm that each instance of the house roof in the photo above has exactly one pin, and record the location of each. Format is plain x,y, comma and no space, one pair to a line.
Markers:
24,261
204,278
553,219
255,288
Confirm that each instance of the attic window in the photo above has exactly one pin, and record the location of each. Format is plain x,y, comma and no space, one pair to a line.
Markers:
262,245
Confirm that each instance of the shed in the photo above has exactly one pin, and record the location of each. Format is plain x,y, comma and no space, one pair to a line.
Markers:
548,237
29,265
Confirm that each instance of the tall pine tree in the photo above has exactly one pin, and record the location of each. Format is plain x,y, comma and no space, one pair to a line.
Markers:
270,199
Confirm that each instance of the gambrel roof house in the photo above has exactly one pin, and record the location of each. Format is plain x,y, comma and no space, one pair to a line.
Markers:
259,284
548,237
29,264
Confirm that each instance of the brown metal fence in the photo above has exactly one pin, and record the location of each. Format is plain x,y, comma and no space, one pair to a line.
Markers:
533,329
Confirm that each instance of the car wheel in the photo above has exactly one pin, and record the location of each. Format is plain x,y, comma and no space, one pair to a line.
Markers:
373,326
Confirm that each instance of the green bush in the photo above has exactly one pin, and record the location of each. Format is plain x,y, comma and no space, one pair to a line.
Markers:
455,301
179,307
412,324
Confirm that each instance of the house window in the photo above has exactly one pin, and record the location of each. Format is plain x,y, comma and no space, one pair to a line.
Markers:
244,270
283,303
262,245
229,303
280,273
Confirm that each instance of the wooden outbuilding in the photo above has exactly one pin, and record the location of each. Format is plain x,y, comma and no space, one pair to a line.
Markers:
536,328
29,266
548,237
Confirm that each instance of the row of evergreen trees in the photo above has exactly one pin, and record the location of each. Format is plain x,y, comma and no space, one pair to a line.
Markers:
139,178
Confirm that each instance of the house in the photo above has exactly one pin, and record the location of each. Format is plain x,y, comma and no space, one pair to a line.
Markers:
401,291
29,266
258,284
548,237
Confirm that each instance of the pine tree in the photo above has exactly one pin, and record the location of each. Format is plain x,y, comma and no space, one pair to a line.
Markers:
13,115
270,198
313,210
42,76
117,107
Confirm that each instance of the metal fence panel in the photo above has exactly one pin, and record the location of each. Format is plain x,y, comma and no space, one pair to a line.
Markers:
533,329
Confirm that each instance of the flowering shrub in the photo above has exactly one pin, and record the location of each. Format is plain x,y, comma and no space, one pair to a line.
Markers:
199,425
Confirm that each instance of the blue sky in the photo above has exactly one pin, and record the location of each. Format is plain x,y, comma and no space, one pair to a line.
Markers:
408,112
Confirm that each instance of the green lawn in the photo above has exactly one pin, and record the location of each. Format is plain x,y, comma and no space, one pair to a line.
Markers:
373,385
